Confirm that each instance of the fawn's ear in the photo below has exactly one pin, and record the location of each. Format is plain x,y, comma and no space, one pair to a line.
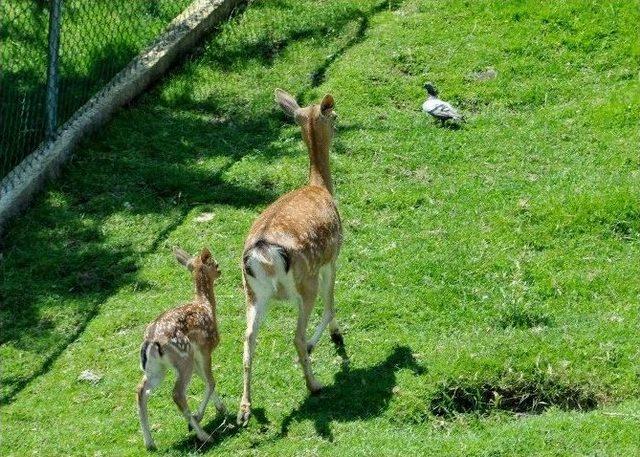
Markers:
184,258
327,104
288,104
205,255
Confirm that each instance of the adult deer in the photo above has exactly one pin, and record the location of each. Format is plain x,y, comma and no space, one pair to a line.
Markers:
291,250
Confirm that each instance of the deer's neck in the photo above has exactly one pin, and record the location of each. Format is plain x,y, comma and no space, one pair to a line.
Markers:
204,294
318,143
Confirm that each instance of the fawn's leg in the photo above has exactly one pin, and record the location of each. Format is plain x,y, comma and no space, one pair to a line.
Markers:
184,372
154,373
143,395
204,370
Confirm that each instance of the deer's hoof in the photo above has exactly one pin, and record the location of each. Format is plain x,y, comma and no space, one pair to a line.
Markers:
315,387
243,415
337,339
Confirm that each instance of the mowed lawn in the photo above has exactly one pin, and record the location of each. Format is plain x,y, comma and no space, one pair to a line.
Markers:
489,282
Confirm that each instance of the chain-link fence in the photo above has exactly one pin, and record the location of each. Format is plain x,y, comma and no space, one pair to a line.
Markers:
55,54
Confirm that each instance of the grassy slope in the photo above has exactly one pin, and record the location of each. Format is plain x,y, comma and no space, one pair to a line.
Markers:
503,257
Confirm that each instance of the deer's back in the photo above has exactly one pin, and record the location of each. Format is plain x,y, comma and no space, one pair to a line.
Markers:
304,221
189,324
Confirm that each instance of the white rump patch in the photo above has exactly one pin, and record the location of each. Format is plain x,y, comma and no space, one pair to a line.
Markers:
268,277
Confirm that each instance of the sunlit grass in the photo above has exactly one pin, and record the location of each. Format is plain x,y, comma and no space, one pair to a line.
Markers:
488,281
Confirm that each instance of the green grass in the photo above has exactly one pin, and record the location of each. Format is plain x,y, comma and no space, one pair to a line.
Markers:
97,39
488,286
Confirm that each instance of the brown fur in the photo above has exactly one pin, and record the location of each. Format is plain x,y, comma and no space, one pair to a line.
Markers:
306,224
184,339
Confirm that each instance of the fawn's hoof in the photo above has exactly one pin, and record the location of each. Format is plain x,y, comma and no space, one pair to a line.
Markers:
197,418
204,437
222,409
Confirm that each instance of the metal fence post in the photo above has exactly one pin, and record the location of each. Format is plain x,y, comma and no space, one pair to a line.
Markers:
52,68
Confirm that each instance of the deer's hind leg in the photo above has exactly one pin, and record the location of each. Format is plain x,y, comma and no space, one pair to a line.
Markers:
307,302
203,368
143,396
327,288
184,369
155,371
256,308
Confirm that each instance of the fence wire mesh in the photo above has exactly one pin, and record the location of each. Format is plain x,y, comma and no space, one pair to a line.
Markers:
97,38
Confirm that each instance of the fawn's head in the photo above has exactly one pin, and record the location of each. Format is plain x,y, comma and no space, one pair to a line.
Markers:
317,120
204,267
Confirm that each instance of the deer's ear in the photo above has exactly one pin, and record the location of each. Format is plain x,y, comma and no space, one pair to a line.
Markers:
327,104
183,258
205,255
287,103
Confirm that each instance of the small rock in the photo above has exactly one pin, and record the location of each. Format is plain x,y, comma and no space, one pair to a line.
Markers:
204,217
615,317
485,75
89,376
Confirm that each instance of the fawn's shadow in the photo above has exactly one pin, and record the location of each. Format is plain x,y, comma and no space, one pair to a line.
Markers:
219,431
355,394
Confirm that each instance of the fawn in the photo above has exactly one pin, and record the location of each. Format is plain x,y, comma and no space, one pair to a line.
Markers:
183,339
291,250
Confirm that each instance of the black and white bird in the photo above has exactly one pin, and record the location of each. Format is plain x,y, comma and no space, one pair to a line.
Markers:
437,108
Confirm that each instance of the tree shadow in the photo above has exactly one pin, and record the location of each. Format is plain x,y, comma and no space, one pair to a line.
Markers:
359,394
319,75
58,262
266,48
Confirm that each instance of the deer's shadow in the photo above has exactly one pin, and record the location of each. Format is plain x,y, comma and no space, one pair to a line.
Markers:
354,395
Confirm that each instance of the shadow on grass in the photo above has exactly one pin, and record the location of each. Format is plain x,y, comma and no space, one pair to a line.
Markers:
359,394
319,75
220,431
58,266
59,262
268,47
525,393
